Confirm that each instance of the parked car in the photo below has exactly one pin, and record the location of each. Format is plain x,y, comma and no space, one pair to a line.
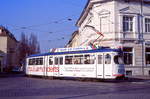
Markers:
17,69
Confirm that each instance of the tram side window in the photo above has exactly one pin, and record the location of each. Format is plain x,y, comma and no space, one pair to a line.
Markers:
92,59
68,59
107,59
36,61
89,59
30,62
39,61
78,59
100,59
61,60
33,61
56,60
50,61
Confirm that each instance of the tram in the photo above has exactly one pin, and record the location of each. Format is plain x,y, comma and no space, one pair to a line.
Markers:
101,63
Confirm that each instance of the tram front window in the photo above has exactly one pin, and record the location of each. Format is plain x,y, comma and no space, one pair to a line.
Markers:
118,59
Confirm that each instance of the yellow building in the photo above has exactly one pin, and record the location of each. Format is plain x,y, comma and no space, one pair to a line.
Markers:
73,42
8,50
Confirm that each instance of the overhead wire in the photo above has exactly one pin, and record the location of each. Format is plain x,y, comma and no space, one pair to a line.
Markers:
59,21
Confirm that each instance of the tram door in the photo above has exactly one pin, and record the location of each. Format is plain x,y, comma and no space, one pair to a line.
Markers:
107,65
57,64
49,63
104,66
100,66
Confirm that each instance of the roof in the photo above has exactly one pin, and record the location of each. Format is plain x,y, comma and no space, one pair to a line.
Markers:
76,52
90,3
6,32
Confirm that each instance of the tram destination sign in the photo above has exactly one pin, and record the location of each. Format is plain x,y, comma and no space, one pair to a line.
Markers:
70,49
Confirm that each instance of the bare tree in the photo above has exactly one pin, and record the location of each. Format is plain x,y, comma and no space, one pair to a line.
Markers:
27,46
33,45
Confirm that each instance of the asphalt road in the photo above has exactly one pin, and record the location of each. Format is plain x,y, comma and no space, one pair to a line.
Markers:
20,87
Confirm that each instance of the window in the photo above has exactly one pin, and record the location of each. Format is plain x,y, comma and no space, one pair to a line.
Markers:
30,62
50,61
147,25
92,59
127,23
128,55
78,59
36,61
33,61
147,56
56,60
61,60
39,61
129,73
107,59
100,59
68,59
118,59
89,59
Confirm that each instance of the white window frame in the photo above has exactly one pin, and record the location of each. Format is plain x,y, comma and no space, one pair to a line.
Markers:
132,52
129,26
147,24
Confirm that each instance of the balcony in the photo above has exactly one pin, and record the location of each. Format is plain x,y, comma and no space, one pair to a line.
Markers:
127,36
131,36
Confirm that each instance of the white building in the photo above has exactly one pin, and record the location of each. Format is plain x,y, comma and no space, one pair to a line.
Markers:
125,24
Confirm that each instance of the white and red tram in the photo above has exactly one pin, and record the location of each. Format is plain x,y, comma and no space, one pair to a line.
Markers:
103,63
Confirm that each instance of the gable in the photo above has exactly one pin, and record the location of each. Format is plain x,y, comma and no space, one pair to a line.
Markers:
128,9
7,33
104,12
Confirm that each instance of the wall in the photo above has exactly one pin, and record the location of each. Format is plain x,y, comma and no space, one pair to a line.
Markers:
3,44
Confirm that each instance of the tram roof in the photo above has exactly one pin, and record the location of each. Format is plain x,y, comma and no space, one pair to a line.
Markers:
75,52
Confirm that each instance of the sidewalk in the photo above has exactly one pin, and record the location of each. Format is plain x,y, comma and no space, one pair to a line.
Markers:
3,74
137,78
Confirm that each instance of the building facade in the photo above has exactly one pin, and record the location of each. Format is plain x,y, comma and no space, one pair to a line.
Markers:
8,50
73,42
123,24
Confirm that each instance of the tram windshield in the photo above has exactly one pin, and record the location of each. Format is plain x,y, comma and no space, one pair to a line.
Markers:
118,59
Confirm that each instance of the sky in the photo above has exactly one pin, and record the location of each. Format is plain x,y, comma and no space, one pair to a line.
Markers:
52,21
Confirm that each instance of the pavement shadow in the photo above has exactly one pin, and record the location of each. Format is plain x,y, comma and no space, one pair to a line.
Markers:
11,75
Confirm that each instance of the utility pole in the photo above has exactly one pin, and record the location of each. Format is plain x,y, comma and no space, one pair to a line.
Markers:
141,37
